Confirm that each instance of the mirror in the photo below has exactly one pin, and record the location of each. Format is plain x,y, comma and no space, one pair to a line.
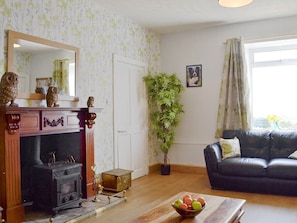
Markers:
41,63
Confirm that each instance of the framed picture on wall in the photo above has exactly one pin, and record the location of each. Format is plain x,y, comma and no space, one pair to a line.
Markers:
42,84
45,81
194,75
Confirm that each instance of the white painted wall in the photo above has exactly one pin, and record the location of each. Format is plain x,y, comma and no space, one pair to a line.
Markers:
206,47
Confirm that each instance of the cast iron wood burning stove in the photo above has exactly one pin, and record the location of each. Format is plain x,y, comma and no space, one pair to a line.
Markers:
57,186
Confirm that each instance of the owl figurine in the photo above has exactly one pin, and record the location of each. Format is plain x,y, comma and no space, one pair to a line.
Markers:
90,102
9,88
52,97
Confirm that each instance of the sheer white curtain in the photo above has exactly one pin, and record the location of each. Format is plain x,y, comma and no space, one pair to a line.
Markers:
234,104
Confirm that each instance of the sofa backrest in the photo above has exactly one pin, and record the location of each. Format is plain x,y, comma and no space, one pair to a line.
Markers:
252,143
283,144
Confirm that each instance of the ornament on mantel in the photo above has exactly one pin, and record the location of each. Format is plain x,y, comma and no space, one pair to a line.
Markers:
90,102
9,89
52,97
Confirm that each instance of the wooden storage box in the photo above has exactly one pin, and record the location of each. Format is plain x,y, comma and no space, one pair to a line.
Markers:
116,180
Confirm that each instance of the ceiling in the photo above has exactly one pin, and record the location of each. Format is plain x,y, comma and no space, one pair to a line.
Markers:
167,16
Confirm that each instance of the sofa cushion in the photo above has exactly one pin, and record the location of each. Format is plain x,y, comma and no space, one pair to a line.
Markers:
230,147
282,168
251,167
254,143
293,155
283,144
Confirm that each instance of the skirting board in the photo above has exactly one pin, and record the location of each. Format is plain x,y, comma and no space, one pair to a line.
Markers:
180,168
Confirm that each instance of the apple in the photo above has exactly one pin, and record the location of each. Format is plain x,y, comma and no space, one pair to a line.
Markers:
190,207
196,205
177,203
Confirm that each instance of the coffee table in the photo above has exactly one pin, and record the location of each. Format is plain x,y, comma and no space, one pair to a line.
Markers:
217,210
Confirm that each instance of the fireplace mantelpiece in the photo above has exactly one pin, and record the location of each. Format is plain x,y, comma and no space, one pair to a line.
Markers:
17,122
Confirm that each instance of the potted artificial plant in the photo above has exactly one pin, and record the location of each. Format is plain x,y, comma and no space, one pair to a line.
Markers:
164,93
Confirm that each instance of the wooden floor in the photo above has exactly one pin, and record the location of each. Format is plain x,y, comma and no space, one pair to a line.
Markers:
147,192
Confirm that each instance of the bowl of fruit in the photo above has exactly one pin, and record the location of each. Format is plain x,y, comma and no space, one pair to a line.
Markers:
188,206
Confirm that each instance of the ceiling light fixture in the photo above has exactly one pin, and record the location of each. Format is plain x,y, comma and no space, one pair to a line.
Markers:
234,3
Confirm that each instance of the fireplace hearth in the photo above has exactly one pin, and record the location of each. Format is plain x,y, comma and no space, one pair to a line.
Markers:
57,186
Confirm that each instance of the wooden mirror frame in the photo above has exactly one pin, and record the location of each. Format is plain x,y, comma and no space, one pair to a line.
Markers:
13,36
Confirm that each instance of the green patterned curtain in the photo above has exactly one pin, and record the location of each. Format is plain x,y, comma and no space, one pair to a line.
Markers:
61,76
234,104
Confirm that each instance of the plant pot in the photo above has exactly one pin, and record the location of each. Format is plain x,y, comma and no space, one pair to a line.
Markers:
165,169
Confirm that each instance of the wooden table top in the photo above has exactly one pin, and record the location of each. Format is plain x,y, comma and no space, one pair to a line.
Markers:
217,210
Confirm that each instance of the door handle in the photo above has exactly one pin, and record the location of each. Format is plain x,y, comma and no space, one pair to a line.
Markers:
122,131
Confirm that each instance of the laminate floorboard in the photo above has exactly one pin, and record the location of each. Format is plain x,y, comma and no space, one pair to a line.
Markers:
148,191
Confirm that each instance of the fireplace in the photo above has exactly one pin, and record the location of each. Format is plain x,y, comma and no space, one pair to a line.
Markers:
20,122
57,186
36,150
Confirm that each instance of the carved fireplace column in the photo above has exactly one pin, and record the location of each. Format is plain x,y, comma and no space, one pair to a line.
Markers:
10,170
87,155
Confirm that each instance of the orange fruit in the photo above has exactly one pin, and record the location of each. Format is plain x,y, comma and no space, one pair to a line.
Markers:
183,206
201,200
186,196
188,200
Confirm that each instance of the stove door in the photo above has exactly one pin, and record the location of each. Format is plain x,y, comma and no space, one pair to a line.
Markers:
68,189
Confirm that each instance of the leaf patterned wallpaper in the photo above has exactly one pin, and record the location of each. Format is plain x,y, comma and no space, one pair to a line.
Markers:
98,33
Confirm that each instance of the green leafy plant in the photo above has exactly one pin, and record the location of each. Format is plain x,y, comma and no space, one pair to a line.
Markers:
164,93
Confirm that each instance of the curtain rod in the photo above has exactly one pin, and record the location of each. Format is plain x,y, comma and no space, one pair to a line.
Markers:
266,39
273,38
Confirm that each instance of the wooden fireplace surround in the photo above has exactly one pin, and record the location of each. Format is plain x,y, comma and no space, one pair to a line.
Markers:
17,122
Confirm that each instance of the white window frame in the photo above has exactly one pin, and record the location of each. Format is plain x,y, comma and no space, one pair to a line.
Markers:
268,46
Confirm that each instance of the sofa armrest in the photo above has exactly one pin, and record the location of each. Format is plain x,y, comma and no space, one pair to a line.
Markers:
213,155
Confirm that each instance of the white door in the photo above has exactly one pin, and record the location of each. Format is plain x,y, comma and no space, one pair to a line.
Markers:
130,116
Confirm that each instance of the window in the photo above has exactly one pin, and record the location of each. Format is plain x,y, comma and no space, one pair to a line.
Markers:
72,79
272,68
